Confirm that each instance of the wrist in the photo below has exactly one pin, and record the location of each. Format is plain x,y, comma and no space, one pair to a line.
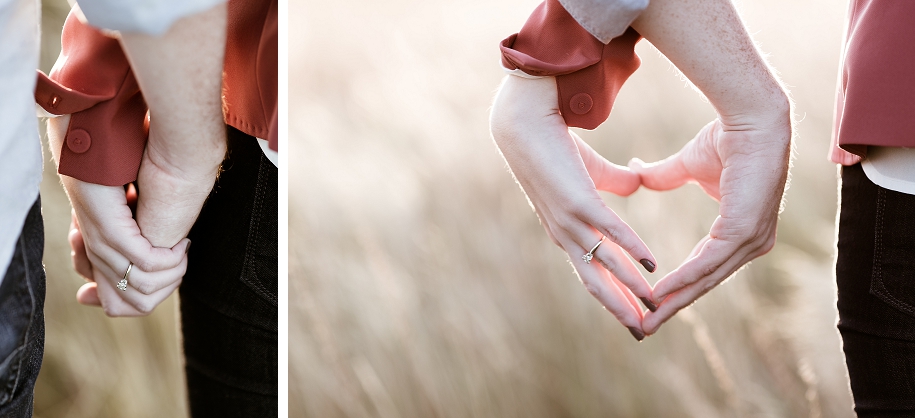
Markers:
771,115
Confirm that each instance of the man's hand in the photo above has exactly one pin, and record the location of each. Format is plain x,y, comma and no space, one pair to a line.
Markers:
746,172
561,174
180,74
741,160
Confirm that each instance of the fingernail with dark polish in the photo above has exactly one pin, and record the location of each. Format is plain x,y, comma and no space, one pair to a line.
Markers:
637,333
647,264
649,304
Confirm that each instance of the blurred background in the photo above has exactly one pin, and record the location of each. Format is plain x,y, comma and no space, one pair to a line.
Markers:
422,285
95,366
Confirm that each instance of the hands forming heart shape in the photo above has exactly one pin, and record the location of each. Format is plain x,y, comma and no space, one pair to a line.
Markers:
745,170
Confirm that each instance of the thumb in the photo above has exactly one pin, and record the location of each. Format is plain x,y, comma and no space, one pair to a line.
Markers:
667,174
88,295
606,176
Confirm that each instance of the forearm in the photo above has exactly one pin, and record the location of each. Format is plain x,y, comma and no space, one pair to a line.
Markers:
709,44
180,74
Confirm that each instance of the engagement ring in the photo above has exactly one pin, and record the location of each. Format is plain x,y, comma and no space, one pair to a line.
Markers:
590,254
122,285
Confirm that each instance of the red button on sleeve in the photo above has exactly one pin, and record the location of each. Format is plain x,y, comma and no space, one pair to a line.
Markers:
581,103
78,141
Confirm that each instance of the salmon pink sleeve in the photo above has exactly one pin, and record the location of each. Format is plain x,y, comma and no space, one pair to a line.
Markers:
92,81
589,74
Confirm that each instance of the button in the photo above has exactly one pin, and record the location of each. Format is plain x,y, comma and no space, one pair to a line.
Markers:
55,100
78,141
581,103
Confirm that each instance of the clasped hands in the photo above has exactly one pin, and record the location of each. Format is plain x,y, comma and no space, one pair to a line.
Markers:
741,165
106,237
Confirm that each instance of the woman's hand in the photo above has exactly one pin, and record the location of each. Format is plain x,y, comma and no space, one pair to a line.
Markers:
106,239
561,174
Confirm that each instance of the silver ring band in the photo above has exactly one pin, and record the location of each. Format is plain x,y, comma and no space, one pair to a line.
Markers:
122,285
590,254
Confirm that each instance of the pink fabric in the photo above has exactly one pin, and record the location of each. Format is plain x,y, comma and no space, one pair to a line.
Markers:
94,83
875,103
588,73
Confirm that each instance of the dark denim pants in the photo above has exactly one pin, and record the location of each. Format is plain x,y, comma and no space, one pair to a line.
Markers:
22,319
229,311
875,274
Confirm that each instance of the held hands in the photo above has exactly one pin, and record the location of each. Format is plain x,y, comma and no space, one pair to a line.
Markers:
106,239
741,162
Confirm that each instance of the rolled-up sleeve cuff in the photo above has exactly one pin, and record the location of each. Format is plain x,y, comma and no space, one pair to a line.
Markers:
588,73
92,81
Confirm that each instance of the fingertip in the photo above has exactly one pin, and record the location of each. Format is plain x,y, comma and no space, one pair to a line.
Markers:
649,265
75,237
635,164
648,324
88,295
637,333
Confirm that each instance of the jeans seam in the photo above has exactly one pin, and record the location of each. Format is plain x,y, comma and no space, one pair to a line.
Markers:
878,288
17,354
256,213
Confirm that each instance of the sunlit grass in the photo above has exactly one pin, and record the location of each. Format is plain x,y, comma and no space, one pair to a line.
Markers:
422,284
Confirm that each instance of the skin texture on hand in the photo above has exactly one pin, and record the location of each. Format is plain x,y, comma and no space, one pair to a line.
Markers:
105,239
560,175
180,74
741,160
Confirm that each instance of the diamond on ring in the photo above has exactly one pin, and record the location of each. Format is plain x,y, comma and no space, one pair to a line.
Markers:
590,254
122,285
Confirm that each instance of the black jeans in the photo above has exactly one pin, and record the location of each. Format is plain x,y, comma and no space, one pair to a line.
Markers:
875,274
22,319
229,311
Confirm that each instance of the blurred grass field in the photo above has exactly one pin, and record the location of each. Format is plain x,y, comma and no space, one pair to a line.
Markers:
422,285
95,366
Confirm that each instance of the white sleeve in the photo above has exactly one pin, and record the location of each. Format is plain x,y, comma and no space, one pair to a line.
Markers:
605,19
153,17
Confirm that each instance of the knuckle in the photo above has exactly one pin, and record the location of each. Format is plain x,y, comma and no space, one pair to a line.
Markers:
768,243
145,265
709,270
607,264
577,208
145,307
110,311
145,287
612,233
707,285
566,222
592,288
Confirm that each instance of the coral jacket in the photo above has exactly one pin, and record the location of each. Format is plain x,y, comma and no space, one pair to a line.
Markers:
588,73
92,80
875,103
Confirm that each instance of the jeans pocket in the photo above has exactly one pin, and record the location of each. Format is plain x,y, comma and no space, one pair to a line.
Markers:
893,278
260,271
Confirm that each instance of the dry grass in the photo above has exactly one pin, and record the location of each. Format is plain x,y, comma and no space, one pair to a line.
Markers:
95,366
422,284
